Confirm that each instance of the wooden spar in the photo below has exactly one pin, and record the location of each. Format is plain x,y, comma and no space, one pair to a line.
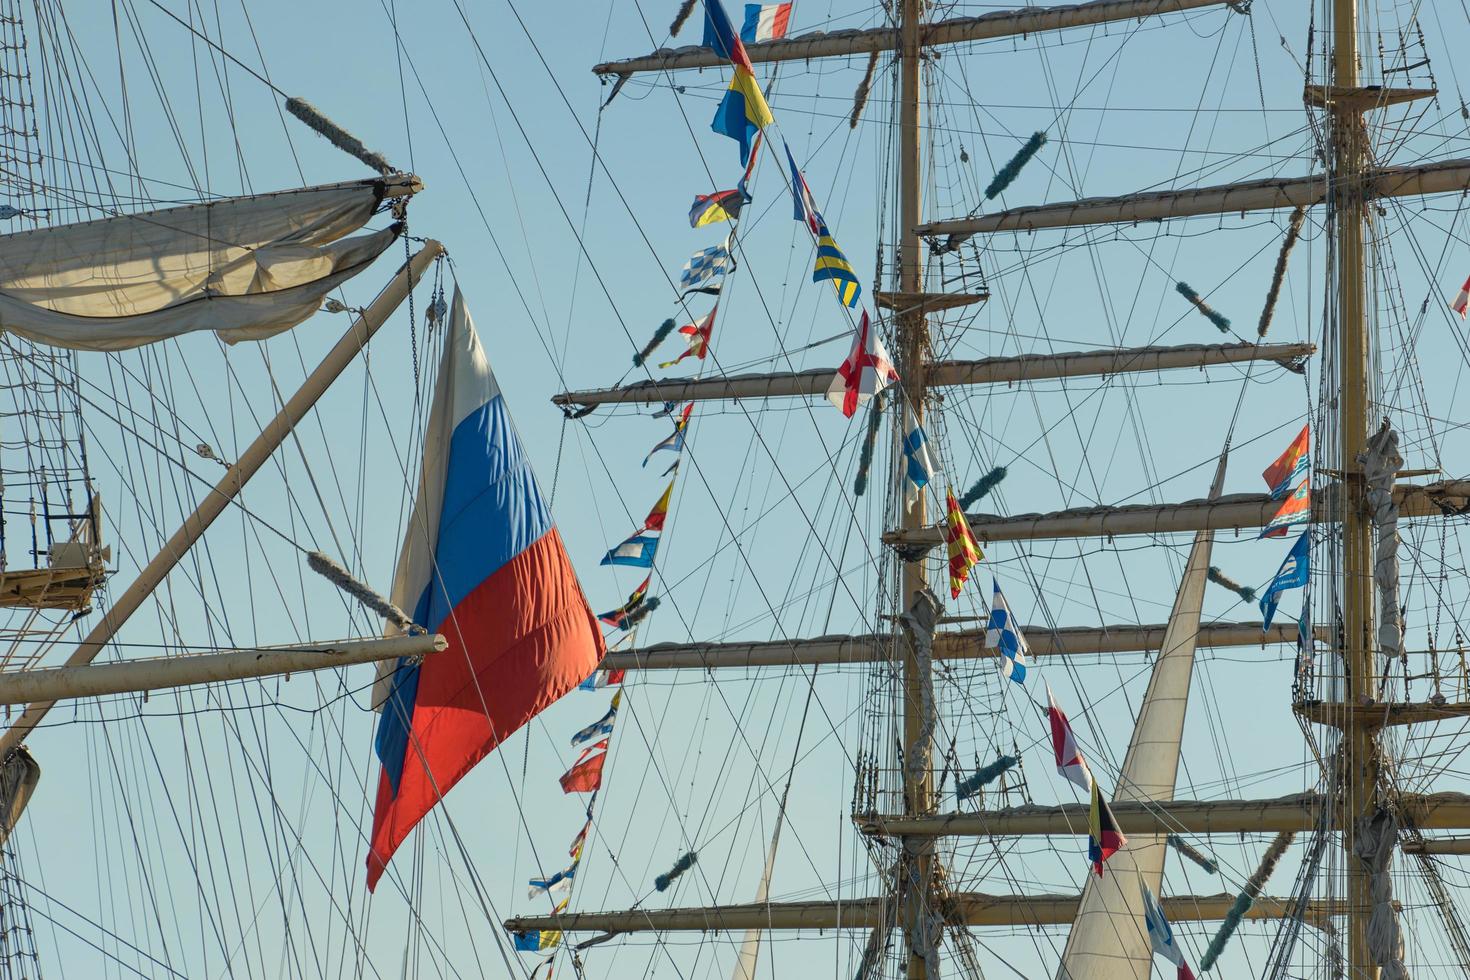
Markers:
1434,811
991,370
956,30
96,680
1380,714
1233,511
963,908
1437,845
1443,177
1073,641
249,463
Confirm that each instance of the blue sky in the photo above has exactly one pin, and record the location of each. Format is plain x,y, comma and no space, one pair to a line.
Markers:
222,833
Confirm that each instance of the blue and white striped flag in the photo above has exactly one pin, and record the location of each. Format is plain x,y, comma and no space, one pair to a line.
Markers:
1002,633
916,450
557,885
706,264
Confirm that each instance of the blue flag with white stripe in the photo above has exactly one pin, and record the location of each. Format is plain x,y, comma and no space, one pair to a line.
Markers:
557,885
1293,574
916,451
1002,633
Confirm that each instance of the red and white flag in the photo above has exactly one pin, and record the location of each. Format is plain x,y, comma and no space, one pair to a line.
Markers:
867,371
698,336
1462,301
1069,758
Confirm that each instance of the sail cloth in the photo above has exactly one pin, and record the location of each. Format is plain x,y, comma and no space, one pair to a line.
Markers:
483,564
1109,939
246,267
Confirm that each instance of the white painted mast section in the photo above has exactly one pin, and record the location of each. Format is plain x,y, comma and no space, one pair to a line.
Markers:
1108,940
1444,177
990,370
130,676
954,30
229,486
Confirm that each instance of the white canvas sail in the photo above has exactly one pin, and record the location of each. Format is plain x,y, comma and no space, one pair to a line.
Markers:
245,267
1108,940
750,946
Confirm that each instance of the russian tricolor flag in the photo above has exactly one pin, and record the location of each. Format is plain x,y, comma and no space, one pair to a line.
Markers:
482,564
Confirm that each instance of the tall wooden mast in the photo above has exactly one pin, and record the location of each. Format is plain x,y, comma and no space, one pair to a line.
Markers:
1349,192
916,873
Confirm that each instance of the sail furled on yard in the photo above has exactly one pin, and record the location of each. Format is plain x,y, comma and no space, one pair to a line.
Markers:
483,564
245,267
1109,938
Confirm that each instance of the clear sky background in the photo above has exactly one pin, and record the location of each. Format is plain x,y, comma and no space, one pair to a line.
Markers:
221,832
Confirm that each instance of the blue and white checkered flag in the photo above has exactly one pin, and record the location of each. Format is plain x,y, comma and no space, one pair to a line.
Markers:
1002,633
916,451
706,264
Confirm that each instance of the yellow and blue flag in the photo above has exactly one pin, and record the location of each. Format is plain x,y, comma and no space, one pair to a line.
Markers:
833,265
709,209
1104,839
743,112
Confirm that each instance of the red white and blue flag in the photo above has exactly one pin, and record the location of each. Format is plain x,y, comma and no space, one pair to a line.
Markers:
803,204
765,22
601,679
482,563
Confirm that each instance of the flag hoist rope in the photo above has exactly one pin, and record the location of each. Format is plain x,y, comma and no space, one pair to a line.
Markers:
336,361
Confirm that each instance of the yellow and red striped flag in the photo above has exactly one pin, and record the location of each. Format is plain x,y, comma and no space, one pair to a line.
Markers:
964,552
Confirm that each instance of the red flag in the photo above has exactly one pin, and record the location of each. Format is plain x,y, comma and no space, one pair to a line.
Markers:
1295,509
586,773
1462,301
1291,465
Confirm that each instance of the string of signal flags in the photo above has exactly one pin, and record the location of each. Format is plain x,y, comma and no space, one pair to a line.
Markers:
743,115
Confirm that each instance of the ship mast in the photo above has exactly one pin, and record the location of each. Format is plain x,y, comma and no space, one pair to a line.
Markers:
1360,792
916,872
1352,180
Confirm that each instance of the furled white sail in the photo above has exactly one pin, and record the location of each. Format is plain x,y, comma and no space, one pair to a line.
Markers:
750,946
244,267
1109,940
